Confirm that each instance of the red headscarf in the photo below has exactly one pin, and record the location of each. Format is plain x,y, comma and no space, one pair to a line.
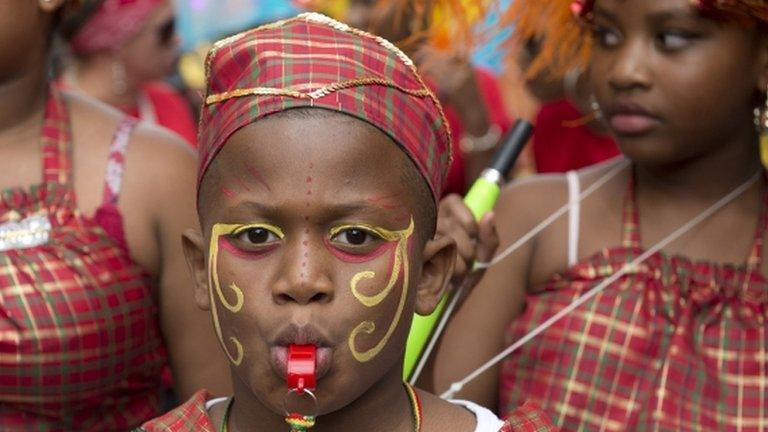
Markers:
113,24
314,61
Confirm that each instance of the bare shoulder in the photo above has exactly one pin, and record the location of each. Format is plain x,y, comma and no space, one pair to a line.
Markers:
94,124
158,181
525,202
535,197
162,153
441,415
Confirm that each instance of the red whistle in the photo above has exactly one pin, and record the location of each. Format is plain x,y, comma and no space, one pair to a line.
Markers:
302,367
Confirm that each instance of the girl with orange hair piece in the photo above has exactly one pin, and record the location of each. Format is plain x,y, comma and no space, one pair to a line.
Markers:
678,341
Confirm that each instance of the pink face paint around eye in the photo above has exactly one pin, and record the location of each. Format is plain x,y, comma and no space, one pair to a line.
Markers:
226,244
359,258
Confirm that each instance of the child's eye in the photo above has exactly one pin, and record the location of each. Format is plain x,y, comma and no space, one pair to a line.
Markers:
675,39
256,235
354,236
605,36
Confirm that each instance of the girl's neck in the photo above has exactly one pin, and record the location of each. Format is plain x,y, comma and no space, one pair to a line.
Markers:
384,407
705,178
98,78
22,101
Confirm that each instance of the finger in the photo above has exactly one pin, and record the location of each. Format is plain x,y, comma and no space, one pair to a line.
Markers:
460,213
488,238
465,245
460,269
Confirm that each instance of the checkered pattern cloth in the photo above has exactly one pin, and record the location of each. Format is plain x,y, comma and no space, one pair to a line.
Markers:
188,417
314,61
528,418
674,345
80,347
192,416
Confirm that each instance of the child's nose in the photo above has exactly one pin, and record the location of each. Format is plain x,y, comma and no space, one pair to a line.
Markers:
304,278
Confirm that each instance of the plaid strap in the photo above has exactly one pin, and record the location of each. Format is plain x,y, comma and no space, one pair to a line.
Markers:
631,237
630,233
55,140
755,260
113,178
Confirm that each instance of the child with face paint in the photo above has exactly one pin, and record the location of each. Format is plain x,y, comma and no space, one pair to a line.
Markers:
322,154
677,342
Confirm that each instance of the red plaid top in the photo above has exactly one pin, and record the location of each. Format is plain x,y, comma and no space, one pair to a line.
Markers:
80,346
675,345
192,416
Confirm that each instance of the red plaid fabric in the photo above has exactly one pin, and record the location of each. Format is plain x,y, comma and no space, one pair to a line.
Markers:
314,61
189,417
80,347
112,25
675,345
528,418
192,416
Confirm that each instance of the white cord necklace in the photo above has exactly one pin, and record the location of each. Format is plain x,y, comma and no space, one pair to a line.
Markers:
501,256
735,193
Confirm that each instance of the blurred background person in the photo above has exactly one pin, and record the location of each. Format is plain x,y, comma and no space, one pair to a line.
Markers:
471,96
569,133
120,53
95,299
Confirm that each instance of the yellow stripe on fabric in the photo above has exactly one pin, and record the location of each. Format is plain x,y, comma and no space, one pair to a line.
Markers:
612,400
581,339
315,94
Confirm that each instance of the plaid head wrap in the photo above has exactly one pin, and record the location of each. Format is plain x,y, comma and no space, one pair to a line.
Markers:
113,24
313,61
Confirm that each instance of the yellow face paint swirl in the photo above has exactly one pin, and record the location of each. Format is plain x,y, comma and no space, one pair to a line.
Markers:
400,262
217,231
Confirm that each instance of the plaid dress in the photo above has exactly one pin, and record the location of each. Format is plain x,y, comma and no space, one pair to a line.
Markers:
80,346
193,416
674,345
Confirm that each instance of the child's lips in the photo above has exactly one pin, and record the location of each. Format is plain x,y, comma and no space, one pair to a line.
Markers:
279,360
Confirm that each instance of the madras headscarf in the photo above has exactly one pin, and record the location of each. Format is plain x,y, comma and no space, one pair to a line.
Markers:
113,24
314,61
565,40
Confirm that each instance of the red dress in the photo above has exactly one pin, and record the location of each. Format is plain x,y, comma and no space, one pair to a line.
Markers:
193,416
561,147
488,87
161,104
80,345
675,345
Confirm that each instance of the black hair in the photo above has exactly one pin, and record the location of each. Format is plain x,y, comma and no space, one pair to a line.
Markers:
74,15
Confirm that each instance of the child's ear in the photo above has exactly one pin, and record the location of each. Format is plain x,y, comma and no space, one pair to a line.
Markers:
194,253
437,269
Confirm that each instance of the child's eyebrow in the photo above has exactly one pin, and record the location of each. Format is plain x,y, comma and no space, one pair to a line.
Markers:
253,207
367,206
